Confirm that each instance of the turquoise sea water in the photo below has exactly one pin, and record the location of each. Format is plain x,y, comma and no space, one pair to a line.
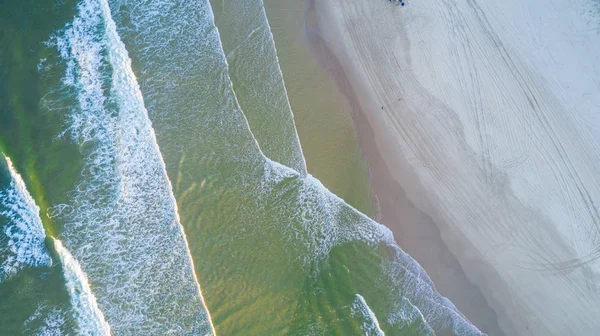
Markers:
159,188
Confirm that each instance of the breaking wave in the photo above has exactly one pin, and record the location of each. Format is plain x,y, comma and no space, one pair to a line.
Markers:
86,312
121,222
371,325
22,244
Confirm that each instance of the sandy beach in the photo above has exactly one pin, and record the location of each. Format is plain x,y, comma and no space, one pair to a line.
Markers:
479,123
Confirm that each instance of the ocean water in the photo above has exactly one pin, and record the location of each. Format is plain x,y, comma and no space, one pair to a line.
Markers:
257,80
32,296
90,319
174,210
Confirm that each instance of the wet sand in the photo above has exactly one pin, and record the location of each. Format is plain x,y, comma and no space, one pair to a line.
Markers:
413,229
479,124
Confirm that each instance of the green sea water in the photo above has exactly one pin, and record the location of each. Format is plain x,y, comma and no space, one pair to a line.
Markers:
257,80
33,298
128,124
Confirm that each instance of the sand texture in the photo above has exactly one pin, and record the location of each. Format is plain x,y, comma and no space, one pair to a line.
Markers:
486,114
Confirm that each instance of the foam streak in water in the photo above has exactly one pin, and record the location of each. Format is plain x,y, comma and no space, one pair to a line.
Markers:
49,319
371,325
85,308
23,231
258,81
122,223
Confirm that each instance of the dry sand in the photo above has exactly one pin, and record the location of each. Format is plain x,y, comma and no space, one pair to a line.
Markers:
480,121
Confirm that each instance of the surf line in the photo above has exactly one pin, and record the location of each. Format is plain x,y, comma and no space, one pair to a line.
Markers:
26,242
118,55
287,99
88,315
24,231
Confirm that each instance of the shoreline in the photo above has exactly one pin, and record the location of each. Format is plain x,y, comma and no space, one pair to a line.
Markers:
414,231
475,121
321,114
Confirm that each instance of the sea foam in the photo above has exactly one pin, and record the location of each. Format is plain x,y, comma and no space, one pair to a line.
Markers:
121,222
85,308
50,321
23,242
371,325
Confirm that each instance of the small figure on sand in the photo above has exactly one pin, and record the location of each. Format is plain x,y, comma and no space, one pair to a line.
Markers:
400,1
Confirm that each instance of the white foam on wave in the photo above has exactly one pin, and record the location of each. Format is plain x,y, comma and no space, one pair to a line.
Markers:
328,221
51,321
325,220
371,324
406,313
85,308
256,66
24,233
122,223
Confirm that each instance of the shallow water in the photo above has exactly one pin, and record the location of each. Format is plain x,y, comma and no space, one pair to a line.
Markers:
174,218
323,115
257,79
32,296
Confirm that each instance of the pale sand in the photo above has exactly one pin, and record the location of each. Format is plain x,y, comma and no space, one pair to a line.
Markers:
414,230
490,124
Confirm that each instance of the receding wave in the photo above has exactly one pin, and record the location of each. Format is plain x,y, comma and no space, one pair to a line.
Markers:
85,308
22,244
121,222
